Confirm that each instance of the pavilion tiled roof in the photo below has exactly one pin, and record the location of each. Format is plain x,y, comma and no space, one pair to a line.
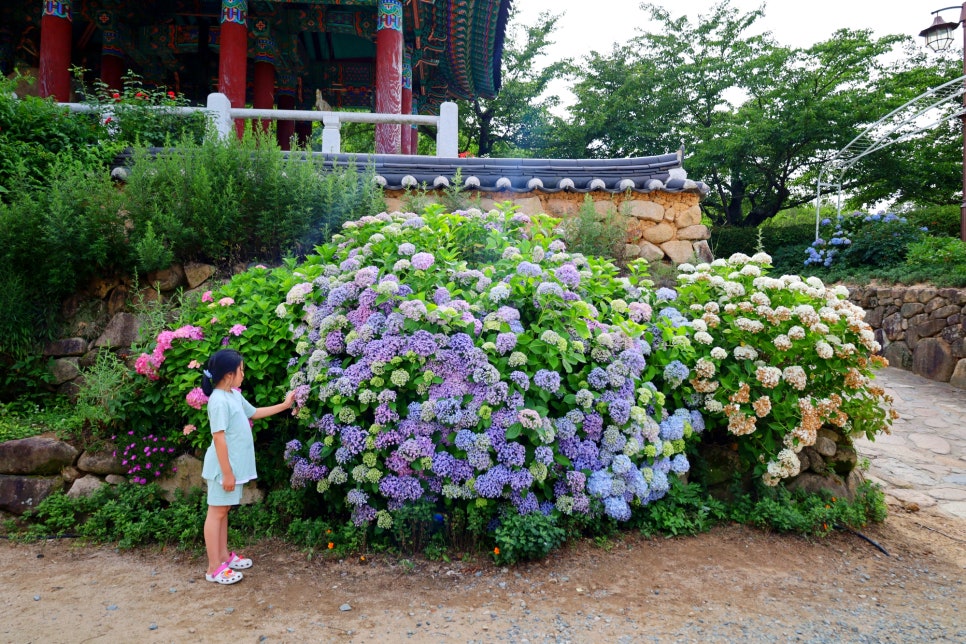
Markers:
642,174
398,172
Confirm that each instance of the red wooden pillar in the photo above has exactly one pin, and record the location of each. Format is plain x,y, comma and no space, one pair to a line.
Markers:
264,98
285,97
112,56
112,71
233,54
389,46
407,101
55,45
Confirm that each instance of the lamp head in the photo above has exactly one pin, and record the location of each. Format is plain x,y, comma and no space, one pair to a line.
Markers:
940,35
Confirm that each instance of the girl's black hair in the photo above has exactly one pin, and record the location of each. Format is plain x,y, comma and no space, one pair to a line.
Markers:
219,364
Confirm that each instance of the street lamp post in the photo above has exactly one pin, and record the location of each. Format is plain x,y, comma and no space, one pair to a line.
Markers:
939,37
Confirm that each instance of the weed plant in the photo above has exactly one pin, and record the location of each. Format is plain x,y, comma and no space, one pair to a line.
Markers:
137,515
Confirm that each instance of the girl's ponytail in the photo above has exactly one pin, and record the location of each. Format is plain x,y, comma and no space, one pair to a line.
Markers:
219,365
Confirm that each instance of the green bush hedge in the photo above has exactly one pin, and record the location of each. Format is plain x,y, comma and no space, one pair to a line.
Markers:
728,240
220,203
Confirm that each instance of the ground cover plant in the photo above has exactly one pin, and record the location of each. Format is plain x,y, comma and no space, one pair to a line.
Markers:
468,364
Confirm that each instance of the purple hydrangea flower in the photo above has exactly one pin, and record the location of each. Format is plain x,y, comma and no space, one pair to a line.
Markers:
505,342
548,380
568,274
422,261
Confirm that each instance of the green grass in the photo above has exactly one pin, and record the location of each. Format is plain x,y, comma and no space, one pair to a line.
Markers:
23,420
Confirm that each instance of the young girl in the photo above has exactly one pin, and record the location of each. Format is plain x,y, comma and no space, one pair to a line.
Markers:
230,460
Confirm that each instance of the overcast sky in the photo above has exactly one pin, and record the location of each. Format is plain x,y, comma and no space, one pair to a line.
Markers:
596,24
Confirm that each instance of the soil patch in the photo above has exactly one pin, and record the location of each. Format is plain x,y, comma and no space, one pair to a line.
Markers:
734,583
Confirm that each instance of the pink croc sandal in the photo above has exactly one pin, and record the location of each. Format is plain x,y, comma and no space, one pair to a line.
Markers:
238,563
224,575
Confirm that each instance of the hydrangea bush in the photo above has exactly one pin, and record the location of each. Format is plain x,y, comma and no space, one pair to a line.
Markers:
531,380
778,358
467,361
858,239
238,315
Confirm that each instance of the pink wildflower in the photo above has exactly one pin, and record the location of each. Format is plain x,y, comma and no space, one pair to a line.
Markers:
196,398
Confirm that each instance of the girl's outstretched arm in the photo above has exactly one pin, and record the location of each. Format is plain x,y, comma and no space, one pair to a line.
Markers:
264,412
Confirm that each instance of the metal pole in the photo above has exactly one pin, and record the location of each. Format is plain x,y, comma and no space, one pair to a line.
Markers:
962,207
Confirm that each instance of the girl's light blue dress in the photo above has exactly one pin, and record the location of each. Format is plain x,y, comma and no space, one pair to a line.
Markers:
229,412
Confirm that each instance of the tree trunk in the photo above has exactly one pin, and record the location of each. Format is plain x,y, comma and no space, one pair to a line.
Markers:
485,119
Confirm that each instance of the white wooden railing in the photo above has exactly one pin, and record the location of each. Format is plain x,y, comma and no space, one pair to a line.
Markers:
222,116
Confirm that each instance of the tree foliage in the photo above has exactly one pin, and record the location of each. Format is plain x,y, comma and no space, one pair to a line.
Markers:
757,119
519,121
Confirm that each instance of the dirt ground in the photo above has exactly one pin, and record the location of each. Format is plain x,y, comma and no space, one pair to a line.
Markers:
732,584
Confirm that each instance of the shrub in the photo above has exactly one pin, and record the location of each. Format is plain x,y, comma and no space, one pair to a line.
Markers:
234,201
521,381
728,240
456,380
778,358
859,240
526,538
940,221
590,234
106,389
240,315
797,511
52,240
140,115
36,135
947,253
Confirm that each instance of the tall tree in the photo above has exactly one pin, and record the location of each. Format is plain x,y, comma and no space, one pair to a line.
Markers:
925,165
518,121
756,118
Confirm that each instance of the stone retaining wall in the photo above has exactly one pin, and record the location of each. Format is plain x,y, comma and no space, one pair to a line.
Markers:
31,469
660,225
921,329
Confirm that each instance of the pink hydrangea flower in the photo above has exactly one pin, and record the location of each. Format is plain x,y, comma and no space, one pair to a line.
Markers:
146,366
207,297
226,301
238,329
194,364
188,429
196,398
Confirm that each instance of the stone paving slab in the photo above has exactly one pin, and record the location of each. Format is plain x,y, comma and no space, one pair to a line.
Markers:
923,460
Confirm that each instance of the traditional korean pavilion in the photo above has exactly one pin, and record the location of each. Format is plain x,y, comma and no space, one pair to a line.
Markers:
387,56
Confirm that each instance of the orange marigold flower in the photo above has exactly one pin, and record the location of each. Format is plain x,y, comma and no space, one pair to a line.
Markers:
331,545
496,551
